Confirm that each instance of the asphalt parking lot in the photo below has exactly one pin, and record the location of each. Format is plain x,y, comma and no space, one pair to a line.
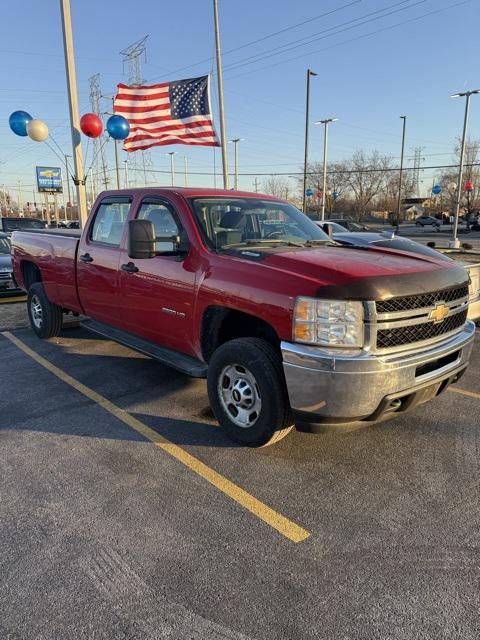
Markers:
126,513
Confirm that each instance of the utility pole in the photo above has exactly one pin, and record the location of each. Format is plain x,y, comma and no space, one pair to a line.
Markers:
223,134
74,114
454,242
325,123
68,177
256,185
307,119
19,198
126,173
98,145
172,166
185,169
235,142
400,177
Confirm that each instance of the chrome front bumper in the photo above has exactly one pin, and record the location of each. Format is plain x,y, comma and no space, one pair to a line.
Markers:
344,388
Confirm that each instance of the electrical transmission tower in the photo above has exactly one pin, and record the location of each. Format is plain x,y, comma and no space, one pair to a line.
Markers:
98,148
132,57
417,161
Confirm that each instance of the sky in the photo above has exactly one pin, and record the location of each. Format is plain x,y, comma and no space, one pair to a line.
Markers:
375,60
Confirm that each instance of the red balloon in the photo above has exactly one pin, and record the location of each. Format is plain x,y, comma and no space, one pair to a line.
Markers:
468,186
91,125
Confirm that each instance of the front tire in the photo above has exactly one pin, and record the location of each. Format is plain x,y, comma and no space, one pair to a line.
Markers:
247,392
45,316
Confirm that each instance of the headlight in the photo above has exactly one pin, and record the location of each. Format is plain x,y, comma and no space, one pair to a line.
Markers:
331,323
474,286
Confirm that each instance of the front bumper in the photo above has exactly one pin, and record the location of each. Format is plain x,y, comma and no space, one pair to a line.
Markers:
340,388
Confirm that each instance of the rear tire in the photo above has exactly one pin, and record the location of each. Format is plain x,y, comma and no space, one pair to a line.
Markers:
247,392
45,316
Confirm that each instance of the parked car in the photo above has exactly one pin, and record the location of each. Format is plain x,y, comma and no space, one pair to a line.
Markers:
8,285
425,221
349,225
245,290
10,224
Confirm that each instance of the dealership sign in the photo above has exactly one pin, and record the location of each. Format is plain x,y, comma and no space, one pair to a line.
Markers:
49,179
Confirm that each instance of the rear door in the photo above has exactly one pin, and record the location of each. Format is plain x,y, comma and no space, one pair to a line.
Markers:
158,296
98,261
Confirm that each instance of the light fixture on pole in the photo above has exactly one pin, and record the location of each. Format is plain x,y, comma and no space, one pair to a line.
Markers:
325,123
235,142
454,242
307,119
172,165
400,177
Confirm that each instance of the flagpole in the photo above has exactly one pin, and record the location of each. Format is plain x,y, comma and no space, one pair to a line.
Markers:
74,114
223,135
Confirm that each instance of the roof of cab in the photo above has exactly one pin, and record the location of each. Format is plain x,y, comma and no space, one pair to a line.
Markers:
191,192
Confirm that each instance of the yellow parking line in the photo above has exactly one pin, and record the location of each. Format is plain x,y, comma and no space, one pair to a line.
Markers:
13,299
283,525
464,392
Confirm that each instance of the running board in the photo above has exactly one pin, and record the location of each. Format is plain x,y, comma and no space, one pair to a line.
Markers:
180,361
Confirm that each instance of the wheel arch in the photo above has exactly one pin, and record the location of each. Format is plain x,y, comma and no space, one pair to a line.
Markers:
221,324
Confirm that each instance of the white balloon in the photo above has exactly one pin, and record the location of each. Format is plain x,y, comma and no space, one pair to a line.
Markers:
37,130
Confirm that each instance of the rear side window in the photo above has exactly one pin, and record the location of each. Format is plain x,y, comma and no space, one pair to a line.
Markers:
110,221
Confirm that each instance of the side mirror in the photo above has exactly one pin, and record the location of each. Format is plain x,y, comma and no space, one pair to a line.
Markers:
141,239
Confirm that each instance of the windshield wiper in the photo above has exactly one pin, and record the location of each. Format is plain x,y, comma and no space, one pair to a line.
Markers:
314,243
260,241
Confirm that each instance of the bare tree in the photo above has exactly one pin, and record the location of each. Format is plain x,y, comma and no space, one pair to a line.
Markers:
471,173
278,187
366,176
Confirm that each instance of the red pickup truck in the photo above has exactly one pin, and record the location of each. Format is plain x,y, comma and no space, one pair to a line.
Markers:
245,290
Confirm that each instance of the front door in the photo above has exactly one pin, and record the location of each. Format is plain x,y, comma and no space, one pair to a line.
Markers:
98,261
159,296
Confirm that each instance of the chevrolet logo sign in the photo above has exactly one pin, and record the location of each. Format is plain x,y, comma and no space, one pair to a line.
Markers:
439,313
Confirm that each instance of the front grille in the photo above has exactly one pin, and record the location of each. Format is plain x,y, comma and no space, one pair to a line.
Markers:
421,300
5,276
398,336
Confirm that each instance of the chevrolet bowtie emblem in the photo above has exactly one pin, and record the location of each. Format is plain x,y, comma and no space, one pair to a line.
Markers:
439,313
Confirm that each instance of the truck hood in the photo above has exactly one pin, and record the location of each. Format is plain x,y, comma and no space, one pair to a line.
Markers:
368,273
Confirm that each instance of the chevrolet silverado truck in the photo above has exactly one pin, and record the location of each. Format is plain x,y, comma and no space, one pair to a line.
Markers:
247,291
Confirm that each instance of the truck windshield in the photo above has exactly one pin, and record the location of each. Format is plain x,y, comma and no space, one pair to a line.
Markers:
16,224
237,222
4,245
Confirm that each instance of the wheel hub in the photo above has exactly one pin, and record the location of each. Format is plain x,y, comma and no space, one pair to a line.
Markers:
36,311
239,395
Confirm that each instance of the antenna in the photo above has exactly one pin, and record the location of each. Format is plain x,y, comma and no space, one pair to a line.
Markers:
132,56
98,148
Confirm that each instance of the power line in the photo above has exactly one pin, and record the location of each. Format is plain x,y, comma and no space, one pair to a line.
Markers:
364,35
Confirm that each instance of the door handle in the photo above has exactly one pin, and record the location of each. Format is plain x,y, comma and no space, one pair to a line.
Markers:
129,267
86,257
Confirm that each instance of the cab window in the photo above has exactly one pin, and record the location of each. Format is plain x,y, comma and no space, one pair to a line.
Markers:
110,221
163,220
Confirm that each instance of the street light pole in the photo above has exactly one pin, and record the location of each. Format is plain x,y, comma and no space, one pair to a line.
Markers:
325,123
454,242
223,134
307,118
400,177
235,144
126,173
68,177
185,170
74,113
172,166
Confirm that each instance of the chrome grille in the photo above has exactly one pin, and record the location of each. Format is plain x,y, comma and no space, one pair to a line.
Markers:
6,275
421,300
387,338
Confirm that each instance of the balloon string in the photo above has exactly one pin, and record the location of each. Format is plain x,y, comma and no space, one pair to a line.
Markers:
62,160
59,148
95,156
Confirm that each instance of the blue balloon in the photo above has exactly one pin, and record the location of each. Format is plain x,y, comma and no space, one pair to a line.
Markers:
436,189
18,122
309,193
334,195
118,127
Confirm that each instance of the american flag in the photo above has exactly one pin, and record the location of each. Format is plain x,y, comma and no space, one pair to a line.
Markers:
167,113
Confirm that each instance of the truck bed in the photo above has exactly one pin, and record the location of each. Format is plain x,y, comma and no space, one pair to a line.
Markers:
54,252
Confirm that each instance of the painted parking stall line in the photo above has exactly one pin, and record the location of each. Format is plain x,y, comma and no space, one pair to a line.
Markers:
283,525
465,392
